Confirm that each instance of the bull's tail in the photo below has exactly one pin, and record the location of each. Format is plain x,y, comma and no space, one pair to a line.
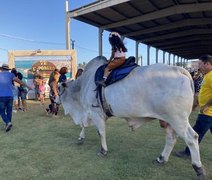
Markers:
187,74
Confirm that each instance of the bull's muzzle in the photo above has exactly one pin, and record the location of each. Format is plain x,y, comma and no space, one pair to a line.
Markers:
57,100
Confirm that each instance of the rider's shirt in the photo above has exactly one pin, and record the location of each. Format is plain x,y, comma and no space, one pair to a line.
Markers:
119,54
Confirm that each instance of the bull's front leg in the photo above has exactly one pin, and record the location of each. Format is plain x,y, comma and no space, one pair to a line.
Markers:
81,138
170,142
102,133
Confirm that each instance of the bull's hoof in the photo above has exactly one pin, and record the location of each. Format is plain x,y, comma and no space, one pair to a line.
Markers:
101,152
80,141
202,177
201,172
159,161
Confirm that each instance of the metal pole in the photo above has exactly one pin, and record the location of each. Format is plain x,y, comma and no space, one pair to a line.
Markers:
164,61
148,55
100,41
67,26
174,60
156,52
169,58
136,51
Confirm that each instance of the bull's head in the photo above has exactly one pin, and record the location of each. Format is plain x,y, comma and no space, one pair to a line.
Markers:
61,89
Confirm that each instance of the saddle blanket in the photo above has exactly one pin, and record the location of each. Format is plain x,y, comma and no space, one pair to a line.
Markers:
116,74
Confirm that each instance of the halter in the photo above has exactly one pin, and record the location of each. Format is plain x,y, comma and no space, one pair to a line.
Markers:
62,92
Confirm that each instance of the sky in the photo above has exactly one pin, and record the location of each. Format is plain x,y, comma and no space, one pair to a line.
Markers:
40,24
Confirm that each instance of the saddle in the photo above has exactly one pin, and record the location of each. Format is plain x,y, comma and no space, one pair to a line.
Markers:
116,74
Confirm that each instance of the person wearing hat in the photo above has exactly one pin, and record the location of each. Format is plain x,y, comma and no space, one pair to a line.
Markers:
118,54
6,94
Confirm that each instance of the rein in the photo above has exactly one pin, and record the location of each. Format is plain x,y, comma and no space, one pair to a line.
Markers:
62,92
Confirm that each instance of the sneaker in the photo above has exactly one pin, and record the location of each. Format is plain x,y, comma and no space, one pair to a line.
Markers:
47,111
182,154
15,111
8,127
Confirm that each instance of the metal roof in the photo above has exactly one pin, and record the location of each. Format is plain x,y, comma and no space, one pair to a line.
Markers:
180,27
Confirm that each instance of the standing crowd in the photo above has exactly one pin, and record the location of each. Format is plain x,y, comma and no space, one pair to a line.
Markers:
8,92
14,91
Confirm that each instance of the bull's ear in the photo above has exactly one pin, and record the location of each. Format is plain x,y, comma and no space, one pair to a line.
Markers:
64,84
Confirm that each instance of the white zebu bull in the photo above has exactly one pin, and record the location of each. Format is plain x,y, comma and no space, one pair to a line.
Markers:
147,93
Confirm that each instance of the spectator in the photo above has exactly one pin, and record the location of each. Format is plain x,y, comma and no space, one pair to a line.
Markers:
51,77
63,72
197,78
204,119
15,92
6,95
22,92
42,90
36,81
53,94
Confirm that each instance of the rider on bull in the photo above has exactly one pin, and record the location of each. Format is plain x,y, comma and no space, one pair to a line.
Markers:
118,55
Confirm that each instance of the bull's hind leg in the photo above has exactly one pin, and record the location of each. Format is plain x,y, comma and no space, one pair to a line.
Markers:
191,139
170,142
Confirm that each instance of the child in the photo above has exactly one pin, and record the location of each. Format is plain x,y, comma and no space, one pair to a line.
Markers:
53,107
22,92
15,91
15,96
42,90
117,56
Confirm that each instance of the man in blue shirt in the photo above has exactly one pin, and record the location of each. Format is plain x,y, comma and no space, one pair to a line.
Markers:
6,95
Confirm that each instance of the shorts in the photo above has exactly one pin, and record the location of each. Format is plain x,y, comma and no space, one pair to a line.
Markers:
15,97
23,94
115,63
15,93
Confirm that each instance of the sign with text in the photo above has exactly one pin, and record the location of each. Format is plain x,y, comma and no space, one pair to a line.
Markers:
44,68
